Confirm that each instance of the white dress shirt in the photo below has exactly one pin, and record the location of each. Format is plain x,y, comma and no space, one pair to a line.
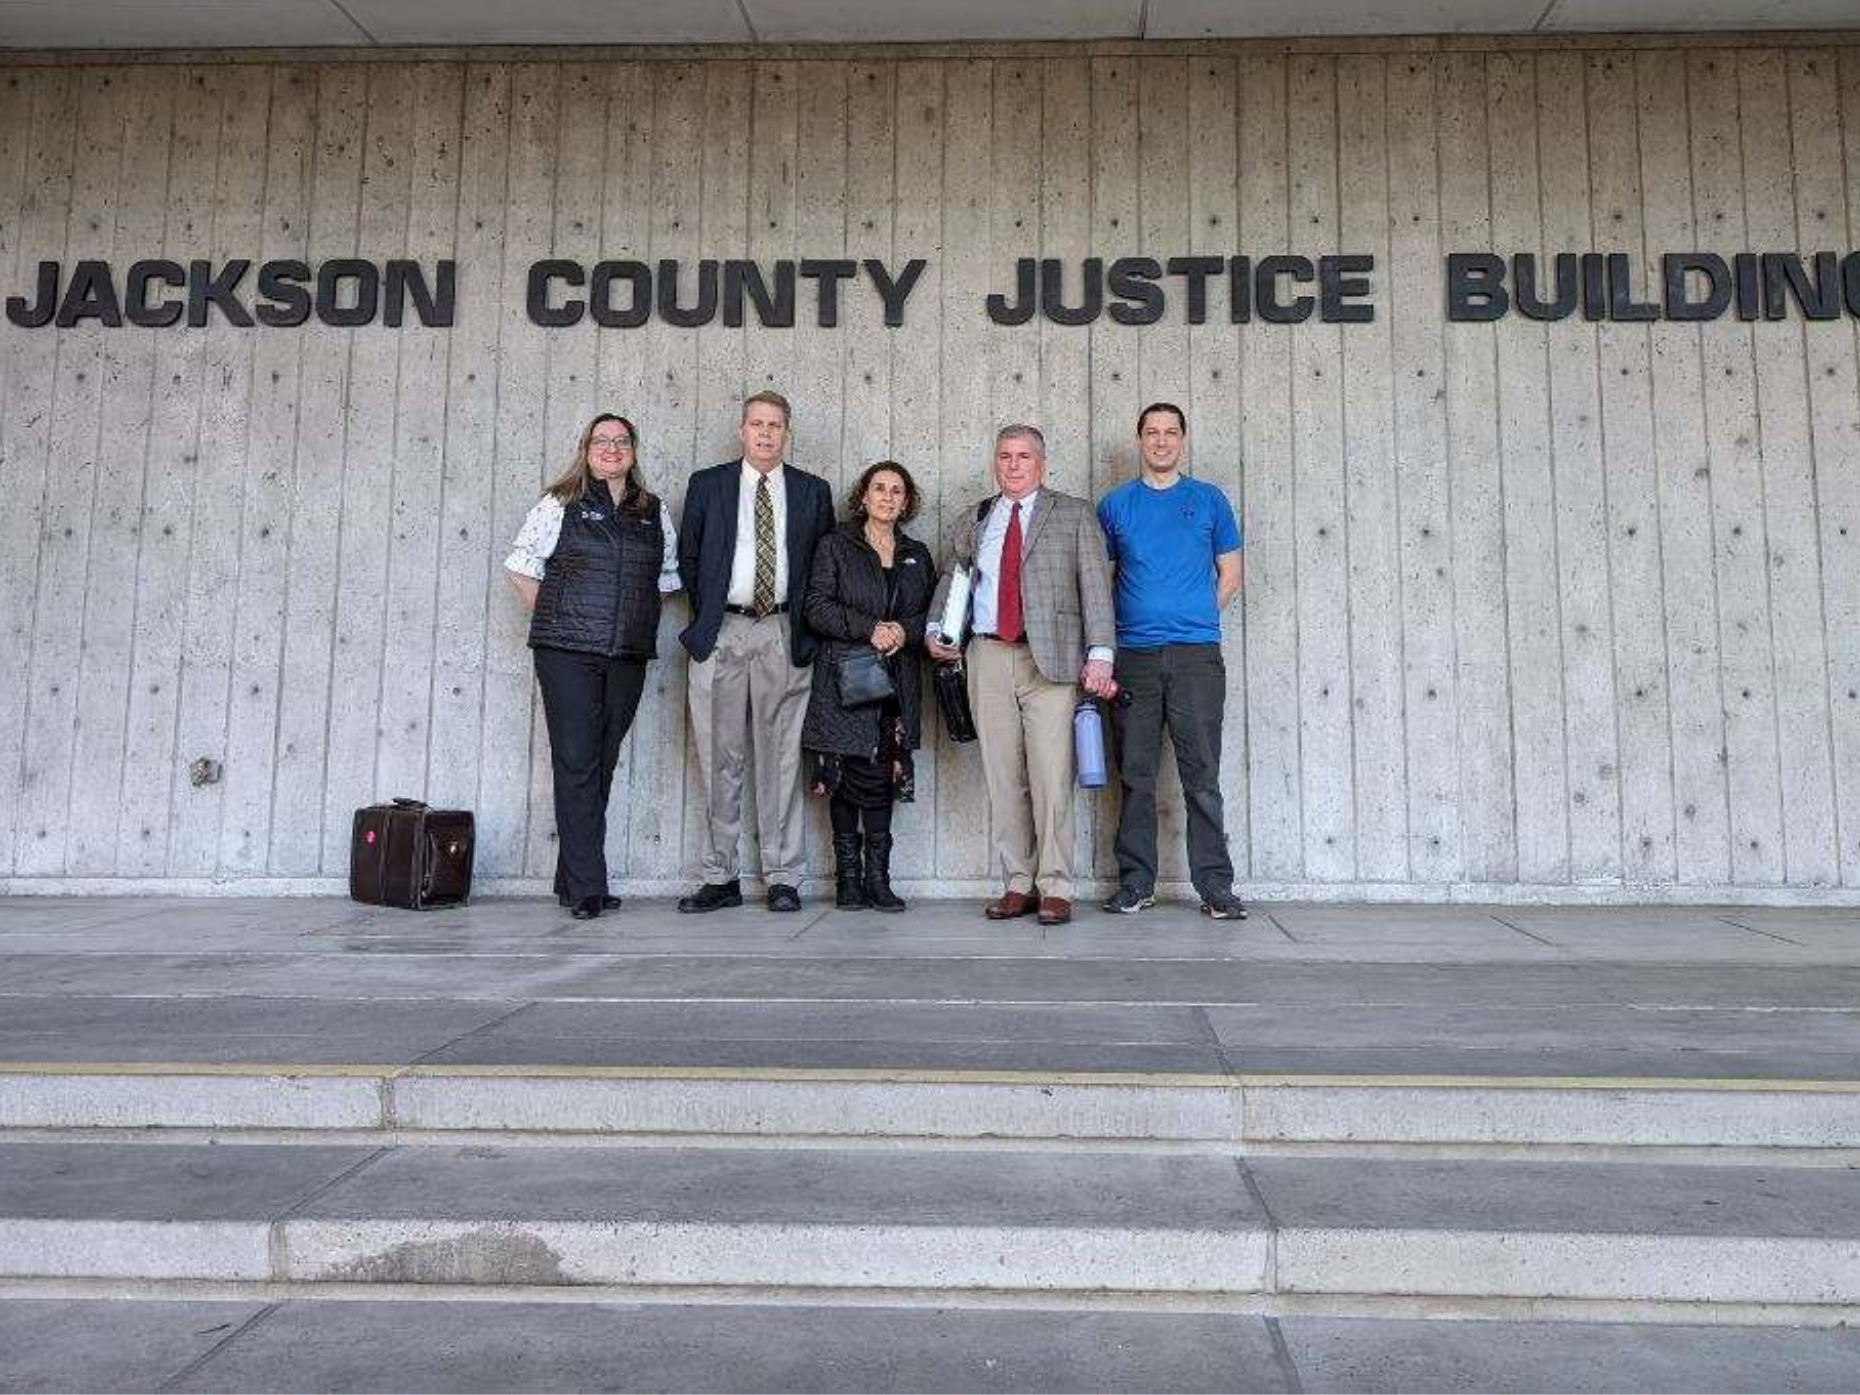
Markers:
542,530
988,557
743,564
988,568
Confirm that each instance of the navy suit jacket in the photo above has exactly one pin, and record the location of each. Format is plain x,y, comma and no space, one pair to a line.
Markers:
707,547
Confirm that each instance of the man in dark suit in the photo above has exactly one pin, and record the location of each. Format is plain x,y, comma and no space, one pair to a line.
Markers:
745,551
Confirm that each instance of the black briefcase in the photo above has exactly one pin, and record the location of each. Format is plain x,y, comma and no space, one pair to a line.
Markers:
950,682
405,854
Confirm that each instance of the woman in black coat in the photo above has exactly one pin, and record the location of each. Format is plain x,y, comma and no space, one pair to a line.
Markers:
869,591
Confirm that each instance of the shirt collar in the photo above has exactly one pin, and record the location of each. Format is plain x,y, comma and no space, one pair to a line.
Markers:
752,474
1026,501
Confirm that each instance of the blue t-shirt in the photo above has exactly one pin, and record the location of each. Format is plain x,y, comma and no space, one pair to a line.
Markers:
1164,542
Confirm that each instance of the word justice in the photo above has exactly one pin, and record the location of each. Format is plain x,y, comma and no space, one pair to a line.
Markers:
1135,290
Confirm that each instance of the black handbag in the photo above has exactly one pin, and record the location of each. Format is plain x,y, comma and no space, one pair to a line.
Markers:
951,686
864,678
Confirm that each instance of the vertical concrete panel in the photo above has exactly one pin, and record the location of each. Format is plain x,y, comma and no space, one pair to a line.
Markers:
966,423
1418,383
124,441
1633,490
1064,231
150,769
817,379
1325,699
917,408
1014,221
244,495
668,407
514,734
1580,490
1797,621
39,135
1165,368
300,814
471,552
1117,229
1488,813
871,201
1734,451
865,435
1834,423
1372,501
1848,689
417,591
1528,487
1214,454
362,652
1702,823
1275,812
73,479
571,379
641,841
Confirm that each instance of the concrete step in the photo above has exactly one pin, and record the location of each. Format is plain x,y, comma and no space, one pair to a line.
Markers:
1244,1110
780,1221
339,1345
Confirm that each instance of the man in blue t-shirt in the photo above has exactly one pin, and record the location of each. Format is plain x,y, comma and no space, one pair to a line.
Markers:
1176,548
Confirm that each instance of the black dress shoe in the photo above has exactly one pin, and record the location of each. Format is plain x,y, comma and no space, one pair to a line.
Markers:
587,908
608,903
783,897
712,896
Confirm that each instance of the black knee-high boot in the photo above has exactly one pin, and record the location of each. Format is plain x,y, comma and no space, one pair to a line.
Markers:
878,893
848,894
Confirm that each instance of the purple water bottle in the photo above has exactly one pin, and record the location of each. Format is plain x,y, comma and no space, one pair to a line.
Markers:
1088,743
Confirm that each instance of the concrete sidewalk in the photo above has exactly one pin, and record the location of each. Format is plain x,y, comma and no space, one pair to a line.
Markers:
415,1346
1669,993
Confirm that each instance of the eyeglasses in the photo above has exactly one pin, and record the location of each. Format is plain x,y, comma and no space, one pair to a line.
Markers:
609,442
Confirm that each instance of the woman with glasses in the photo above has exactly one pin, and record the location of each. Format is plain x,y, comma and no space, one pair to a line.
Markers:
590,563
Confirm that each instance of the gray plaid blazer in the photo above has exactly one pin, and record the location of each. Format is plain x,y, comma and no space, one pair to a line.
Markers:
1065,581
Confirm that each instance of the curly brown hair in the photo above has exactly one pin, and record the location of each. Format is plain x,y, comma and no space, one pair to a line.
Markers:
913,497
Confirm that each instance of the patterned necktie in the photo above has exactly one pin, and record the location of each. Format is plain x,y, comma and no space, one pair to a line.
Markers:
764,598
1007,592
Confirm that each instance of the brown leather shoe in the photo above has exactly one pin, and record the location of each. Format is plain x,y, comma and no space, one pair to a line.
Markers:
1055,910
1011,906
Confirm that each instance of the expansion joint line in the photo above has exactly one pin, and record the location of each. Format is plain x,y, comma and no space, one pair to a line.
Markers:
1272,1224
1280,1349
175,1381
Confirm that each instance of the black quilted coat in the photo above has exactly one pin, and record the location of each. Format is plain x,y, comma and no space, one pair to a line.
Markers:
845,599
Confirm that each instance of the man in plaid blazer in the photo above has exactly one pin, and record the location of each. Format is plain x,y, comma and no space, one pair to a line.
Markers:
1044,626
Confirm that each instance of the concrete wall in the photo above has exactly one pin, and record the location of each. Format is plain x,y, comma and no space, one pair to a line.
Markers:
1562,612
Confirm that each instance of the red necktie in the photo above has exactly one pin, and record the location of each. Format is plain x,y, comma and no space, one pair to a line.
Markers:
1007,592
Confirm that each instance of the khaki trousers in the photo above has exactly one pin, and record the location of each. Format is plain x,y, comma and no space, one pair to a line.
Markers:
748,694
1024,726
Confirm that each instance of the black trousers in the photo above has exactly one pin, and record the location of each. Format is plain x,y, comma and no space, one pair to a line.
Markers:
1183,687
589,702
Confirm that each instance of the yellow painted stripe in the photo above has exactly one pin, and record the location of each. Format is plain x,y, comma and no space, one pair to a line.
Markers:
779,1074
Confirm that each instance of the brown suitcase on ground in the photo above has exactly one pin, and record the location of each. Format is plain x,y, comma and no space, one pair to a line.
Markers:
405,854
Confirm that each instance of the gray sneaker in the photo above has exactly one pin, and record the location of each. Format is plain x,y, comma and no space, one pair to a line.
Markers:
1223,905
1127,902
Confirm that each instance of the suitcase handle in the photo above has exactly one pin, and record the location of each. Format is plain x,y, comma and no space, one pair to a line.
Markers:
403,803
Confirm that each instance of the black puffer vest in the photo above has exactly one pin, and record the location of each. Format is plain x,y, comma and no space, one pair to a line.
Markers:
600,588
